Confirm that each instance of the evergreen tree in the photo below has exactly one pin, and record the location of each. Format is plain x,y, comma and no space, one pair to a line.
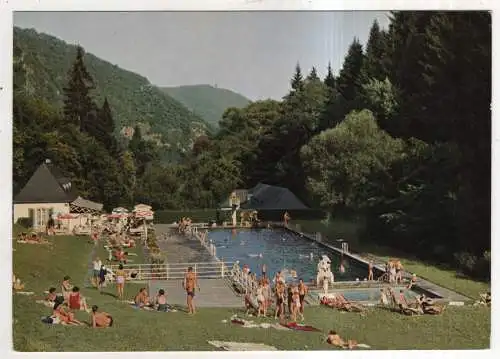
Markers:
330,79
373,65
297,79
77,101
349,80
106,125
313,75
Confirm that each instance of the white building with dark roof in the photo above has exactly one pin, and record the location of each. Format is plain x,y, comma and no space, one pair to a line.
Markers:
49,191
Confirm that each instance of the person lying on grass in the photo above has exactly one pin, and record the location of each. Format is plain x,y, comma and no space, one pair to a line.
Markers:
141,299
64,316
335,339
77,301
100,319
340,302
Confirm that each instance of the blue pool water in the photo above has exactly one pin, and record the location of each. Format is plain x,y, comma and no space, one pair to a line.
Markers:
280,249
371,294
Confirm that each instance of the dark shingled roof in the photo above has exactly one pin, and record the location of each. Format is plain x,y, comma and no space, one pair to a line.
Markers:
267,197
47,185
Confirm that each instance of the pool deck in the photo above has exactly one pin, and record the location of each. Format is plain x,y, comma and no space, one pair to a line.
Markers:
213,293
182,249
445,295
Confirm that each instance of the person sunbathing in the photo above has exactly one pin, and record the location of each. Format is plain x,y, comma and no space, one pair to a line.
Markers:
100,319
335,339
22,237
51,297
16,283
64,316
141,299
161,301
383,297
76,301
66,288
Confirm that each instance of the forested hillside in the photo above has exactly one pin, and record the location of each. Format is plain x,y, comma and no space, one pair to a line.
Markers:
207,101
46,60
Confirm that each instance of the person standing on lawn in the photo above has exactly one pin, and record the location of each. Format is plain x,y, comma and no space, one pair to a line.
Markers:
189,284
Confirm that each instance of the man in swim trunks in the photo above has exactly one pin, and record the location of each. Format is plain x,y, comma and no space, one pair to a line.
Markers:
280,300
302,294
189,284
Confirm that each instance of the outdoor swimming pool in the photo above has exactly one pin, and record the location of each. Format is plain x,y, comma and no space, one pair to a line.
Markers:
280,249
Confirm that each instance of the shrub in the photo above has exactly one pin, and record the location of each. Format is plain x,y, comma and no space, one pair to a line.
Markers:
26,222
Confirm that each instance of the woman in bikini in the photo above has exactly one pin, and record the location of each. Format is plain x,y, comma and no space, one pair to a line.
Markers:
100,319
120,281
296,305
190,283
261,299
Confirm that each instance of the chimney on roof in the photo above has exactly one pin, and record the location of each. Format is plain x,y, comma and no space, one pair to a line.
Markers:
47,161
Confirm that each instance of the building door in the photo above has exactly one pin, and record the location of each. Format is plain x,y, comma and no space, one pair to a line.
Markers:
31,215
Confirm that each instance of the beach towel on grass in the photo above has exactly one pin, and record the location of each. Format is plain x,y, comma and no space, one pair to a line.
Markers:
25,293
235,346
302,327
46,303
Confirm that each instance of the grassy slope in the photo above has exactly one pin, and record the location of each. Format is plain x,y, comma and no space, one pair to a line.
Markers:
132,98
207,101
41,267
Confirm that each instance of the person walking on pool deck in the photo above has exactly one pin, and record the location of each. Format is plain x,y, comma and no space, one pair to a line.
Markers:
189,284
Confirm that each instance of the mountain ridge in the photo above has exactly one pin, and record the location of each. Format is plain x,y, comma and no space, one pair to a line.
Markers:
207,101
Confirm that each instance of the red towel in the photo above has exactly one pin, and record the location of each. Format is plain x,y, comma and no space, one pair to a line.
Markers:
305,328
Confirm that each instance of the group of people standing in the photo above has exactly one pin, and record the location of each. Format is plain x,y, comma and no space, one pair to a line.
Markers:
286,297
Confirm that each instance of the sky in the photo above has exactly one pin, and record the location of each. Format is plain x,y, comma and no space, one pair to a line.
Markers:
252,53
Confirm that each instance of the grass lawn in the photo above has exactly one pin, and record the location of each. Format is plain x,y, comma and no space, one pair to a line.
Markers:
42,266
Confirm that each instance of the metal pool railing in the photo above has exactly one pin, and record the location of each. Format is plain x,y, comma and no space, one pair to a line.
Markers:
167,271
